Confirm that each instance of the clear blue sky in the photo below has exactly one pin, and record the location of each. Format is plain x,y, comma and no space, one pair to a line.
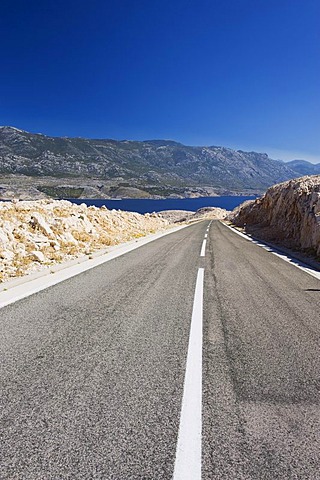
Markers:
238,73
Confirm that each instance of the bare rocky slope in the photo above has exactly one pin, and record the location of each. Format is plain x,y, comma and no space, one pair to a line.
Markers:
35,165
304,168
36,234
205,213
39,233
287,214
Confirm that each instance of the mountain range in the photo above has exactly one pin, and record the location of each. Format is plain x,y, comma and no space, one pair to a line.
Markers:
303,167
40,165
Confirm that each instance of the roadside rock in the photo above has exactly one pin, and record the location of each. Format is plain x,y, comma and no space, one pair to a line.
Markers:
288,214
177,216
213,213
38,222
39,233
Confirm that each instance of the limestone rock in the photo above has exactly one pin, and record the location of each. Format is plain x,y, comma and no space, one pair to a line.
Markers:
205,213
37,221
37,256
44,232
288,214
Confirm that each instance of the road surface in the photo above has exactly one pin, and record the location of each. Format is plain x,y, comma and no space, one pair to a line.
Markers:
93,369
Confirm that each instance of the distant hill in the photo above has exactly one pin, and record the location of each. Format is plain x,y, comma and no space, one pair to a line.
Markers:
153,167
303,167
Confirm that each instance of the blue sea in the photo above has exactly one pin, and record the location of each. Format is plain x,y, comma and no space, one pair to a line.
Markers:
145,205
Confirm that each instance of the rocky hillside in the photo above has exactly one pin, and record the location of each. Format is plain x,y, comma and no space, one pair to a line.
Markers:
288,214
70,167
205,213
39,233
304,168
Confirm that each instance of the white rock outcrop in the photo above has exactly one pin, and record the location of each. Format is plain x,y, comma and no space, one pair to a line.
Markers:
287,214
205,213
34,234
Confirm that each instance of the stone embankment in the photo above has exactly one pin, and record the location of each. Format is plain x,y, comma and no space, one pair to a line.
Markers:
287,214
39,233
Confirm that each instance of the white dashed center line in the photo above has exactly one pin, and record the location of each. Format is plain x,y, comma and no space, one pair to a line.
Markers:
203,248
188,454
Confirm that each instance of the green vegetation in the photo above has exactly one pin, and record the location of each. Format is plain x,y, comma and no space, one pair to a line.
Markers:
61,192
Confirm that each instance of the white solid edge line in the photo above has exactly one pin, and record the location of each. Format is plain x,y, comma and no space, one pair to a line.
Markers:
188,453
283,256
33,286
203,248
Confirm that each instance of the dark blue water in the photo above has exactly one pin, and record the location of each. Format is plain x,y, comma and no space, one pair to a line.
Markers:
145,205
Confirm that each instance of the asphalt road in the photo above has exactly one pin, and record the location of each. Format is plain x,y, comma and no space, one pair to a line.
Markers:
92,369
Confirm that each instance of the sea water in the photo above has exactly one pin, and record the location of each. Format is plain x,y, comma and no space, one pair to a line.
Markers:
146,205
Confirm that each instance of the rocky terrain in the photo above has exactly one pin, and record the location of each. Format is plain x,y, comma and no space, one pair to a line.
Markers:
37,166
288,214
205,213
303,167
37,234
